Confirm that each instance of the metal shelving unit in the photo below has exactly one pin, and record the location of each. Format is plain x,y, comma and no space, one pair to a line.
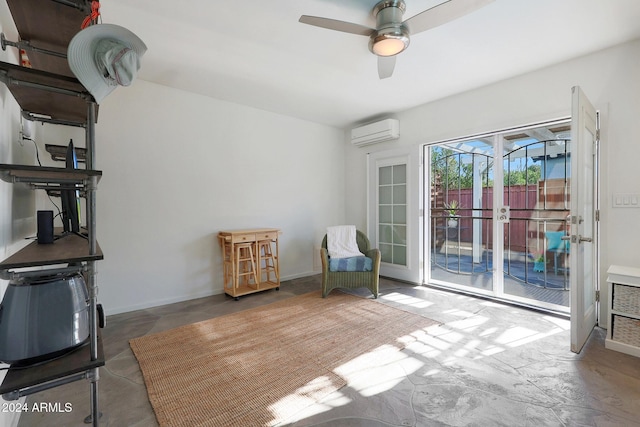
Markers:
49,93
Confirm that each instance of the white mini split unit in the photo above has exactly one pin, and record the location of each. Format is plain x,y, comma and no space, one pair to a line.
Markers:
384,130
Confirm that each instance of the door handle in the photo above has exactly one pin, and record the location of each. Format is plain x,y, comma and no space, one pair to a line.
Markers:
577,239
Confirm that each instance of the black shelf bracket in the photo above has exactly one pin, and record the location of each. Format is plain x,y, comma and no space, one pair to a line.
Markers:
26,45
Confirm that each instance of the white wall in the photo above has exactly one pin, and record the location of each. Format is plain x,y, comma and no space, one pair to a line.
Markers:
179,167
610,80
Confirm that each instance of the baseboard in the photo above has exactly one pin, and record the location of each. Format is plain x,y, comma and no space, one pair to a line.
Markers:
172,300
160,302
299,275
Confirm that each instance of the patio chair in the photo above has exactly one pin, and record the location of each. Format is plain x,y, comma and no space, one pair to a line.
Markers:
557,246
347,274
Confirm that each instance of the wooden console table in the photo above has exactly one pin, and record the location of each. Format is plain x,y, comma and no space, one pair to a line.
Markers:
250,260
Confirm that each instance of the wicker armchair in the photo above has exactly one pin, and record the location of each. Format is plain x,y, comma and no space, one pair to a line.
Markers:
351,279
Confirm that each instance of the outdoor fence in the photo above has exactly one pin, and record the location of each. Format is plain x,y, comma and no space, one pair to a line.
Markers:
534,209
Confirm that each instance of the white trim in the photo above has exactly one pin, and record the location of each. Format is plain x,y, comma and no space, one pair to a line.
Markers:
409,157
488,134
498,227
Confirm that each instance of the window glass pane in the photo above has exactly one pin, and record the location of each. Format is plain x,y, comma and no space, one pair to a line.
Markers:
400,194
400,255
385,195
386,234
399,214
386,174
392,213
400,234
400,174
385,214
386,253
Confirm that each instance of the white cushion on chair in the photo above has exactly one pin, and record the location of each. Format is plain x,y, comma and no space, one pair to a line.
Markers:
341,242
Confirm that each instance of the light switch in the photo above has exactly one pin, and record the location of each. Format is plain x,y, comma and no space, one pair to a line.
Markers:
626,200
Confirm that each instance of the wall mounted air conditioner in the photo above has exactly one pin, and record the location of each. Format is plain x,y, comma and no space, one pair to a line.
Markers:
384,130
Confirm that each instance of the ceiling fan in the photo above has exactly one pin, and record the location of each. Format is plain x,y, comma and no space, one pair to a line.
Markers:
391,35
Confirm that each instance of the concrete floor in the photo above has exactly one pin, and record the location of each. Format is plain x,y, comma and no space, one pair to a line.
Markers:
487,365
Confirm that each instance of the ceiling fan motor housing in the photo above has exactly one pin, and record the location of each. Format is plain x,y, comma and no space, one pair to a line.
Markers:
390,36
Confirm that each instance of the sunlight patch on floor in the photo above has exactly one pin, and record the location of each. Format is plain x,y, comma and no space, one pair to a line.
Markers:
492,349
564,324
519,335
458,313
385,377
469,324
469,348
488,331
407,300
369,374
461,338
306,396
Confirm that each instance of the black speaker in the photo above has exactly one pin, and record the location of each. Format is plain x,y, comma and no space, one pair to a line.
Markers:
45,226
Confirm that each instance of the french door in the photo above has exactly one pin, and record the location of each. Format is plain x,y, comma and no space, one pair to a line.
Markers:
500,216
511,215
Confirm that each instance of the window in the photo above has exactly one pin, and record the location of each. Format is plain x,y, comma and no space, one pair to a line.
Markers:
392,213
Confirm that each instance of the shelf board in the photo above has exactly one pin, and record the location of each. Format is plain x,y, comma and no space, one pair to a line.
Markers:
70,248
51,95
45,175
59,153
74,362
49,25
623,275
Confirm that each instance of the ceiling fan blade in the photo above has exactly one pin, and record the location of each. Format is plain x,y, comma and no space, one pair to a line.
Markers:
443,13
386,64
334,24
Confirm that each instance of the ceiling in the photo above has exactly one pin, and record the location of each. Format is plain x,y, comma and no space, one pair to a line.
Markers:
256,53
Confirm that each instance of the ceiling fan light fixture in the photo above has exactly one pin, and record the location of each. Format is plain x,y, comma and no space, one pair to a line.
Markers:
391,34
389,41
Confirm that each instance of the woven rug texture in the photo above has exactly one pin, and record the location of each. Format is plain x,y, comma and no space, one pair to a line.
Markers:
261,366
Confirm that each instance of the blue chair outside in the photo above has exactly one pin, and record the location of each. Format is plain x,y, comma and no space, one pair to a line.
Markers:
557,246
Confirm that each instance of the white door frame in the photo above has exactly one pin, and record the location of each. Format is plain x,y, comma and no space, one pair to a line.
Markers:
412,272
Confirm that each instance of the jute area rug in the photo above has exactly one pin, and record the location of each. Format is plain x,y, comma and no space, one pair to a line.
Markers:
260,366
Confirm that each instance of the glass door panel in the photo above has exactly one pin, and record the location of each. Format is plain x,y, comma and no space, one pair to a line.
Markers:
461,214
536,189
392,214
526,258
